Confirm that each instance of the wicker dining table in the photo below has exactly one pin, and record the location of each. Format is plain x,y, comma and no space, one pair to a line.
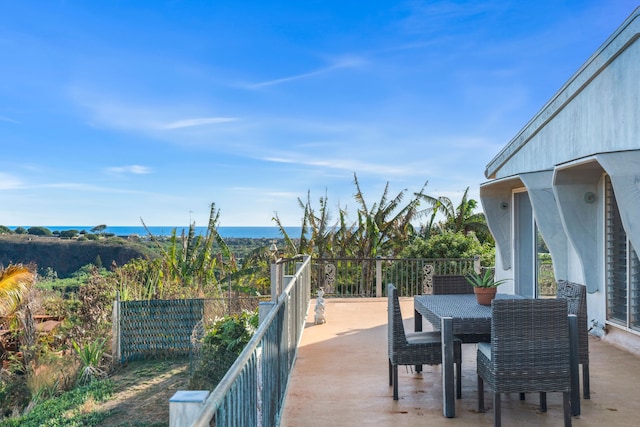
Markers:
461,315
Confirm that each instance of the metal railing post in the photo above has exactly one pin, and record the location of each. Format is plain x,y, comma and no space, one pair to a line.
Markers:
276,281
264,307
378,277
252,391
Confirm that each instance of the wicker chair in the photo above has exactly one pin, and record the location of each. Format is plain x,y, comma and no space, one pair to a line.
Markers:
418,348
576,296
528,353
457,284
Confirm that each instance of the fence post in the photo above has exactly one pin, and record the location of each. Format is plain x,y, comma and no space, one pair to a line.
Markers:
378,277
275,278
185,407
115,330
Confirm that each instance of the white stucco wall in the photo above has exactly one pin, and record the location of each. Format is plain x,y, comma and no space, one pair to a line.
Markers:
590,122
596,111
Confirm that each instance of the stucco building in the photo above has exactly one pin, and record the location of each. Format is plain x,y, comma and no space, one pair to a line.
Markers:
569,181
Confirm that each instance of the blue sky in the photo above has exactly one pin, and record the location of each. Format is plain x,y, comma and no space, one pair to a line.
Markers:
112,111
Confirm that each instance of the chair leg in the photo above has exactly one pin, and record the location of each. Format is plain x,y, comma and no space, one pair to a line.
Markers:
586,392
390,373
543,401
480,394
497,411
395,382
566,405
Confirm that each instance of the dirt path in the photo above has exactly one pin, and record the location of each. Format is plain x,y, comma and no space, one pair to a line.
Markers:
142,392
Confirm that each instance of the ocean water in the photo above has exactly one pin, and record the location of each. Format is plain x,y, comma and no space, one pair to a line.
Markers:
225,232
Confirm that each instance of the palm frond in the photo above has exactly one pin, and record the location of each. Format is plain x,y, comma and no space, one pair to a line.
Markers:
15,282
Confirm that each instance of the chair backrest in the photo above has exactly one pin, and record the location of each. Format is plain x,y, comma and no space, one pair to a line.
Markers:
456,284
576,296
396,335
530,344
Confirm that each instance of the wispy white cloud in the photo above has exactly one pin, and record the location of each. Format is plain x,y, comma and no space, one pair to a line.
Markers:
263,192
8,120
432,17
350,165
132,169
85,187
10,182
106,111
340,63
185,123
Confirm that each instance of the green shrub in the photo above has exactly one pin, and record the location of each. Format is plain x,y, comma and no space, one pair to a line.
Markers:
14,393
450,245
39,231
66,409
221,346
68,234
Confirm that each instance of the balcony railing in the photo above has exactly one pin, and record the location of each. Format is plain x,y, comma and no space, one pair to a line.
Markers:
253,390
367,277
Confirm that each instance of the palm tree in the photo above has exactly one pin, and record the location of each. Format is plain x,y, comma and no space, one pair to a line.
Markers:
15,283
191,261
461,218
316,231
380,229
385,228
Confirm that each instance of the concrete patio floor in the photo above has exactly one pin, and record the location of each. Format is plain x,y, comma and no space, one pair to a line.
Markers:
340,378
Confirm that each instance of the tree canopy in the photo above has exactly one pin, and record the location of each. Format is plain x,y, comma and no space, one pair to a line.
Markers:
99,228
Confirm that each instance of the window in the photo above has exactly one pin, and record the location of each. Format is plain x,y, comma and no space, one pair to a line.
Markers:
622,268
545,275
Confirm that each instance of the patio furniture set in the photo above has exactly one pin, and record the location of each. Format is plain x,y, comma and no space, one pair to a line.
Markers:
523,345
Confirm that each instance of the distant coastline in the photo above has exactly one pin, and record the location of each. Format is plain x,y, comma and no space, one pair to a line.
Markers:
226,232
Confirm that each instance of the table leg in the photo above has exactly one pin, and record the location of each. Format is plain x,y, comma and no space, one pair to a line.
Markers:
449,403
574,368
417,326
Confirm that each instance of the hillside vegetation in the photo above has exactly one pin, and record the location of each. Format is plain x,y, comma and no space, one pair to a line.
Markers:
66,256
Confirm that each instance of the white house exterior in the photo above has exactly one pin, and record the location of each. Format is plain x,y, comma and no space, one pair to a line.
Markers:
571,176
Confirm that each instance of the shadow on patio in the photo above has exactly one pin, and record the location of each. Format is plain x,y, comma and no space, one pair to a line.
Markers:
340,378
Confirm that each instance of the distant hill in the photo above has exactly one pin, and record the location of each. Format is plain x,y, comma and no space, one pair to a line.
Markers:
65,256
